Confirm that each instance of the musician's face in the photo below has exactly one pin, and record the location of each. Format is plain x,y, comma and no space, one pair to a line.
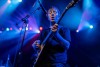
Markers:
53,14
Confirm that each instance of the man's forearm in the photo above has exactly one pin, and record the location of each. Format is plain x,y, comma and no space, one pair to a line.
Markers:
61,40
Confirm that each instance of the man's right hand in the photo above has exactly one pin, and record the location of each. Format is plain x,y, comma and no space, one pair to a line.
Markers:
36,44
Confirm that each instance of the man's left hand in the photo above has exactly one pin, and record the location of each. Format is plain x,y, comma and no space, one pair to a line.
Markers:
54,28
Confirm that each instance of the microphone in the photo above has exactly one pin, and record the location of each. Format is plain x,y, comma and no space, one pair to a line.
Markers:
42,7
25,19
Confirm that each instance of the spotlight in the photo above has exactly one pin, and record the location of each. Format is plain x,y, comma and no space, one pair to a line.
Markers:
20,28
7,29
0,31
10,28
9,1
77,31
41,28
26,28
38,31
19,0
91,26
30,28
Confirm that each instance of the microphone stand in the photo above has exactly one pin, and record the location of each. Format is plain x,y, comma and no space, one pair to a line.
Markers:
19,49
25,21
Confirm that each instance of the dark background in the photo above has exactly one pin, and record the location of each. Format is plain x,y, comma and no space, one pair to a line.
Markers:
85,45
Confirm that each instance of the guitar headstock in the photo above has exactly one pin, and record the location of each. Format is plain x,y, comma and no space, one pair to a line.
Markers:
72,3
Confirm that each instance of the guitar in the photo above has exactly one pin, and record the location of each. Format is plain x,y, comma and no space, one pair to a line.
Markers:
71,4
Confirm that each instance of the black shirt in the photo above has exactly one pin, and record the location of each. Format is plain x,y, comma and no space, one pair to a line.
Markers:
53,52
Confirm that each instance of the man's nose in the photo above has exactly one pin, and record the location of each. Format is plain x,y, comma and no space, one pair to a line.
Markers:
52,14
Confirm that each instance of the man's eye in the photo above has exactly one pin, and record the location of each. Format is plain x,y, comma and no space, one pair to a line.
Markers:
54,12
49,12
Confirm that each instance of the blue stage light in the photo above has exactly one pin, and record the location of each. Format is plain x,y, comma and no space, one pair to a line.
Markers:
77,31
0,31
91,26
19,0
7,29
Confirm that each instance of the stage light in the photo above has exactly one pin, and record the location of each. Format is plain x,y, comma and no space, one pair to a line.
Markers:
77,31
38,31
10,28
19,0
0,31
87,4
30,28
9,1
20,28
7,29
41,28
26,28
91,26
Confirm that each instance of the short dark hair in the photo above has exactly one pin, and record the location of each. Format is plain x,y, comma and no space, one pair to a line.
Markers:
55,9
